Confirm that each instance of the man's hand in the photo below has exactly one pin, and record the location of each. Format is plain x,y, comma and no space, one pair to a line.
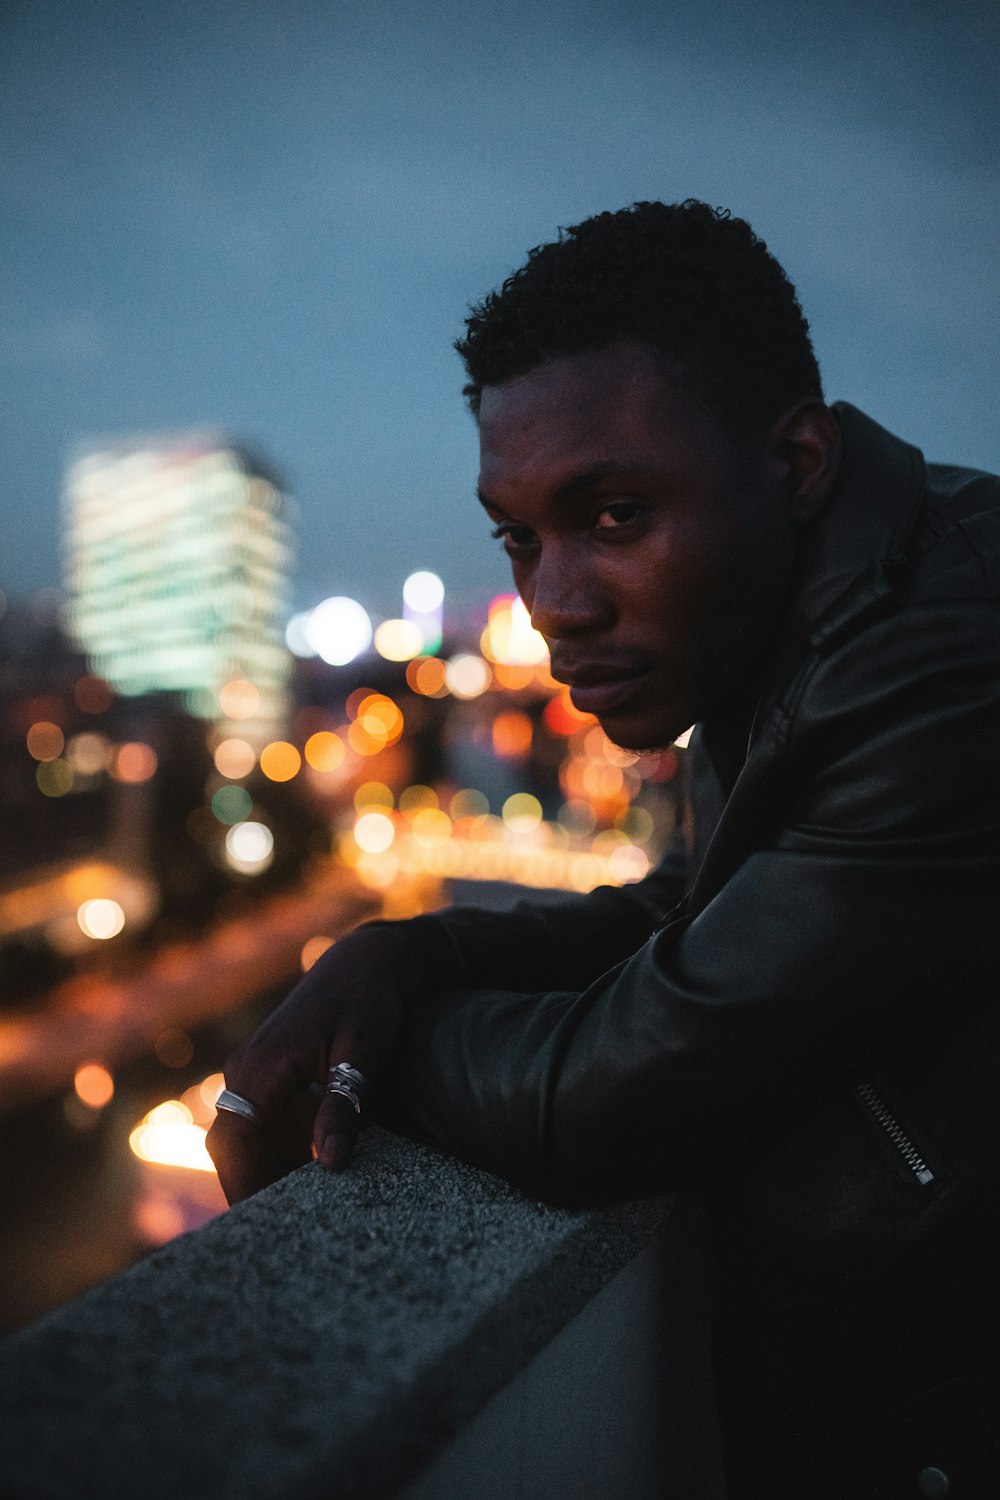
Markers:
345,1009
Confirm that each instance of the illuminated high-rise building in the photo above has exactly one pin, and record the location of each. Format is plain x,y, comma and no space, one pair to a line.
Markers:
178,552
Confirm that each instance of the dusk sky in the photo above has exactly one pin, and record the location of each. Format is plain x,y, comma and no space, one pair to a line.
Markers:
270,218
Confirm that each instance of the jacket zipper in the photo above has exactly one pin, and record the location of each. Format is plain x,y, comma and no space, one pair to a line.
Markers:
897,1135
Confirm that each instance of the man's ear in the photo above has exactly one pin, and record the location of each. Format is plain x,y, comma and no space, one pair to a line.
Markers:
806,442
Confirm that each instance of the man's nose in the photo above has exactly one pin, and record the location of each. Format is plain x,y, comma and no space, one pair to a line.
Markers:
564,599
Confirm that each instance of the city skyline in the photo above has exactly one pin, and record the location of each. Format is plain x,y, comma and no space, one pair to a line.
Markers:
270,222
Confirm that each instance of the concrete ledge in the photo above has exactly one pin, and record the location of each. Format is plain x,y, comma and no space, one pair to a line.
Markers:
327,1338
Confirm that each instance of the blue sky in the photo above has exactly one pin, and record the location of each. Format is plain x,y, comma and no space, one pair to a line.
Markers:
270,218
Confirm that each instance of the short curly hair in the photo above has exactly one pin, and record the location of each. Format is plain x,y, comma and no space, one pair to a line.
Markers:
690,280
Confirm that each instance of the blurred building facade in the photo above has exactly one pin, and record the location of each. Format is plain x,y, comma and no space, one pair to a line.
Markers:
178,551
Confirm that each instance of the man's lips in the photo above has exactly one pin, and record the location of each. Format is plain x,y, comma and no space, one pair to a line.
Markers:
601,689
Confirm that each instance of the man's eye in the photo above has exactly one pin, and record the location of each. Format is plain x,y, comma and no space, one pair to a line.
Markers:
514,538
619,513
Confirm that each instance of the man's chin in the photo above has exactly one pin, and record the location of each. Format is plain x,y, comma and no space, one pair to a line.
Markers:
634,737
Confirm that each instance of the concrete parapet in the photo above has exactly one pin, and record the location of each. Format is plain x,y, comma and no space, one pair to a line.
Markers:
328,1338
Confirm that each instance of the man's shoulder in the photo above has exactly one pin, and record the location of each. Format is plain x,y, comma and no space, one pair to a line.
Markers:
958,539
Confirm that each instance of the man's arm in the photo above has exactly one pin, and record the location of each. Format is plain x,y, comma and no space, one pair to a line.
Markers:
864,925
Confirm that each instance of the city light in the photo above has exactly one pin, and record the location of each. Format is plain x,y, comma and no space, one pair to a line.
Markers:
231,804
467,676
296,638
374,832
87,754
423,602
134,762
45,741
324,750
94,1085
522,812
249,847
100,918
399,640
423,592
169,1136
312,950
338,630
239,699
280,761
54,778
234,758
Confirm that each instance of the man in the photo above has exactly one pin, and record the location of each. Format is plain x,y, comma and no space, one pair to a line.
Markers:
795,1014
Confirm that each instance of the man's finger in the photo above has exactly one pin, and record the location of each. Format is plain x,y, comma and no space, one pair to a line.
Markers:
335,1131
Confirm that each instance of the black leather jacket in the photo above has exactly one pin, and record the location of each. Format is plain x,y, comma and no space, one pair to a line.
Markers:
797,1015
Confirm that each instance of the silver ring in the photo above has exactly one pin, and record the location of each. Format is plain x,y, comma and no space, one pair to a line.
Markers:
235,1104
349,1082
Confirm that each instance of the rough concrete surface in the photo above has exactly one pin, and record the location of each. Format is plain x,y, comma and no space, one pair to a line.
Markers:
323,1339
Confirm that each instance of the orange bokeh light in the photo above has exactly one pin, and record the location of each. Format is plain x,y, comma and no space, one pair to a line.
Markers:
239,699
134,762
94,1085
280,761
313,949
426,675
512,734
45,740
324,750
234,759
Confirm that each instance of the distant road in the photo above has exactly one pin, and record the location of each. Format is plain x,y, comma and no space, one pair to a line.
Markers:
93,1019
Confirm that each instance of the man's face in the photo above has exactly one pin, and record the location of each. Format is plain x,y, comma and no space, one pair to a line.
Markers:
652,550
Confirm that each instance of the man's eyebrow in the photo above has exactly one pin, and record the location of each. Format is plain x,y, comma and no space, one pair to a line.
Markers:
585,479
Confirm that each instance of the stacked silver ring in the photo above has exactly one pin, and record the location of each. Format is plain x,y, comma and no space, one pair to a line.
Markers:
348,1081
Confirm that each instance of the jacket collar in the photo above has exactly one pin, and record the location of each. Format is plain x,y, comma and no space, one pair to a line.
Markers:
845,569
848,554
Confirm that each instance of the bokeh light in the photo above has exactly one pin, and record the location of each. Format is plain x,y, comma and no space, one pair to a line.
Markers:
467,676
54,778
427,675
45,740
232,804
413,798
522,812
374,832
239,699
100,918
280,761
339,630
324,750
134,762
423,592
372,795
468,803
234,758
249,847
399,640
168,1135
296,638
87,754
313,949
512,734
94,1085
431,826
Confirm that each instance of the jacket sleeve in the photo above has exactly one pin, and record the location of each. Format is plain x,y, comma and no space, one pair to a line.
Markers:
865,919
564,942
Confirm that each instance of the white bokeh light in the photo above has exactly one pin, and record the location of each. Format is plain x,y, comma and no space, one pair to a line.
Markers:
249,847
101,918
295,635
423,592
338,630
